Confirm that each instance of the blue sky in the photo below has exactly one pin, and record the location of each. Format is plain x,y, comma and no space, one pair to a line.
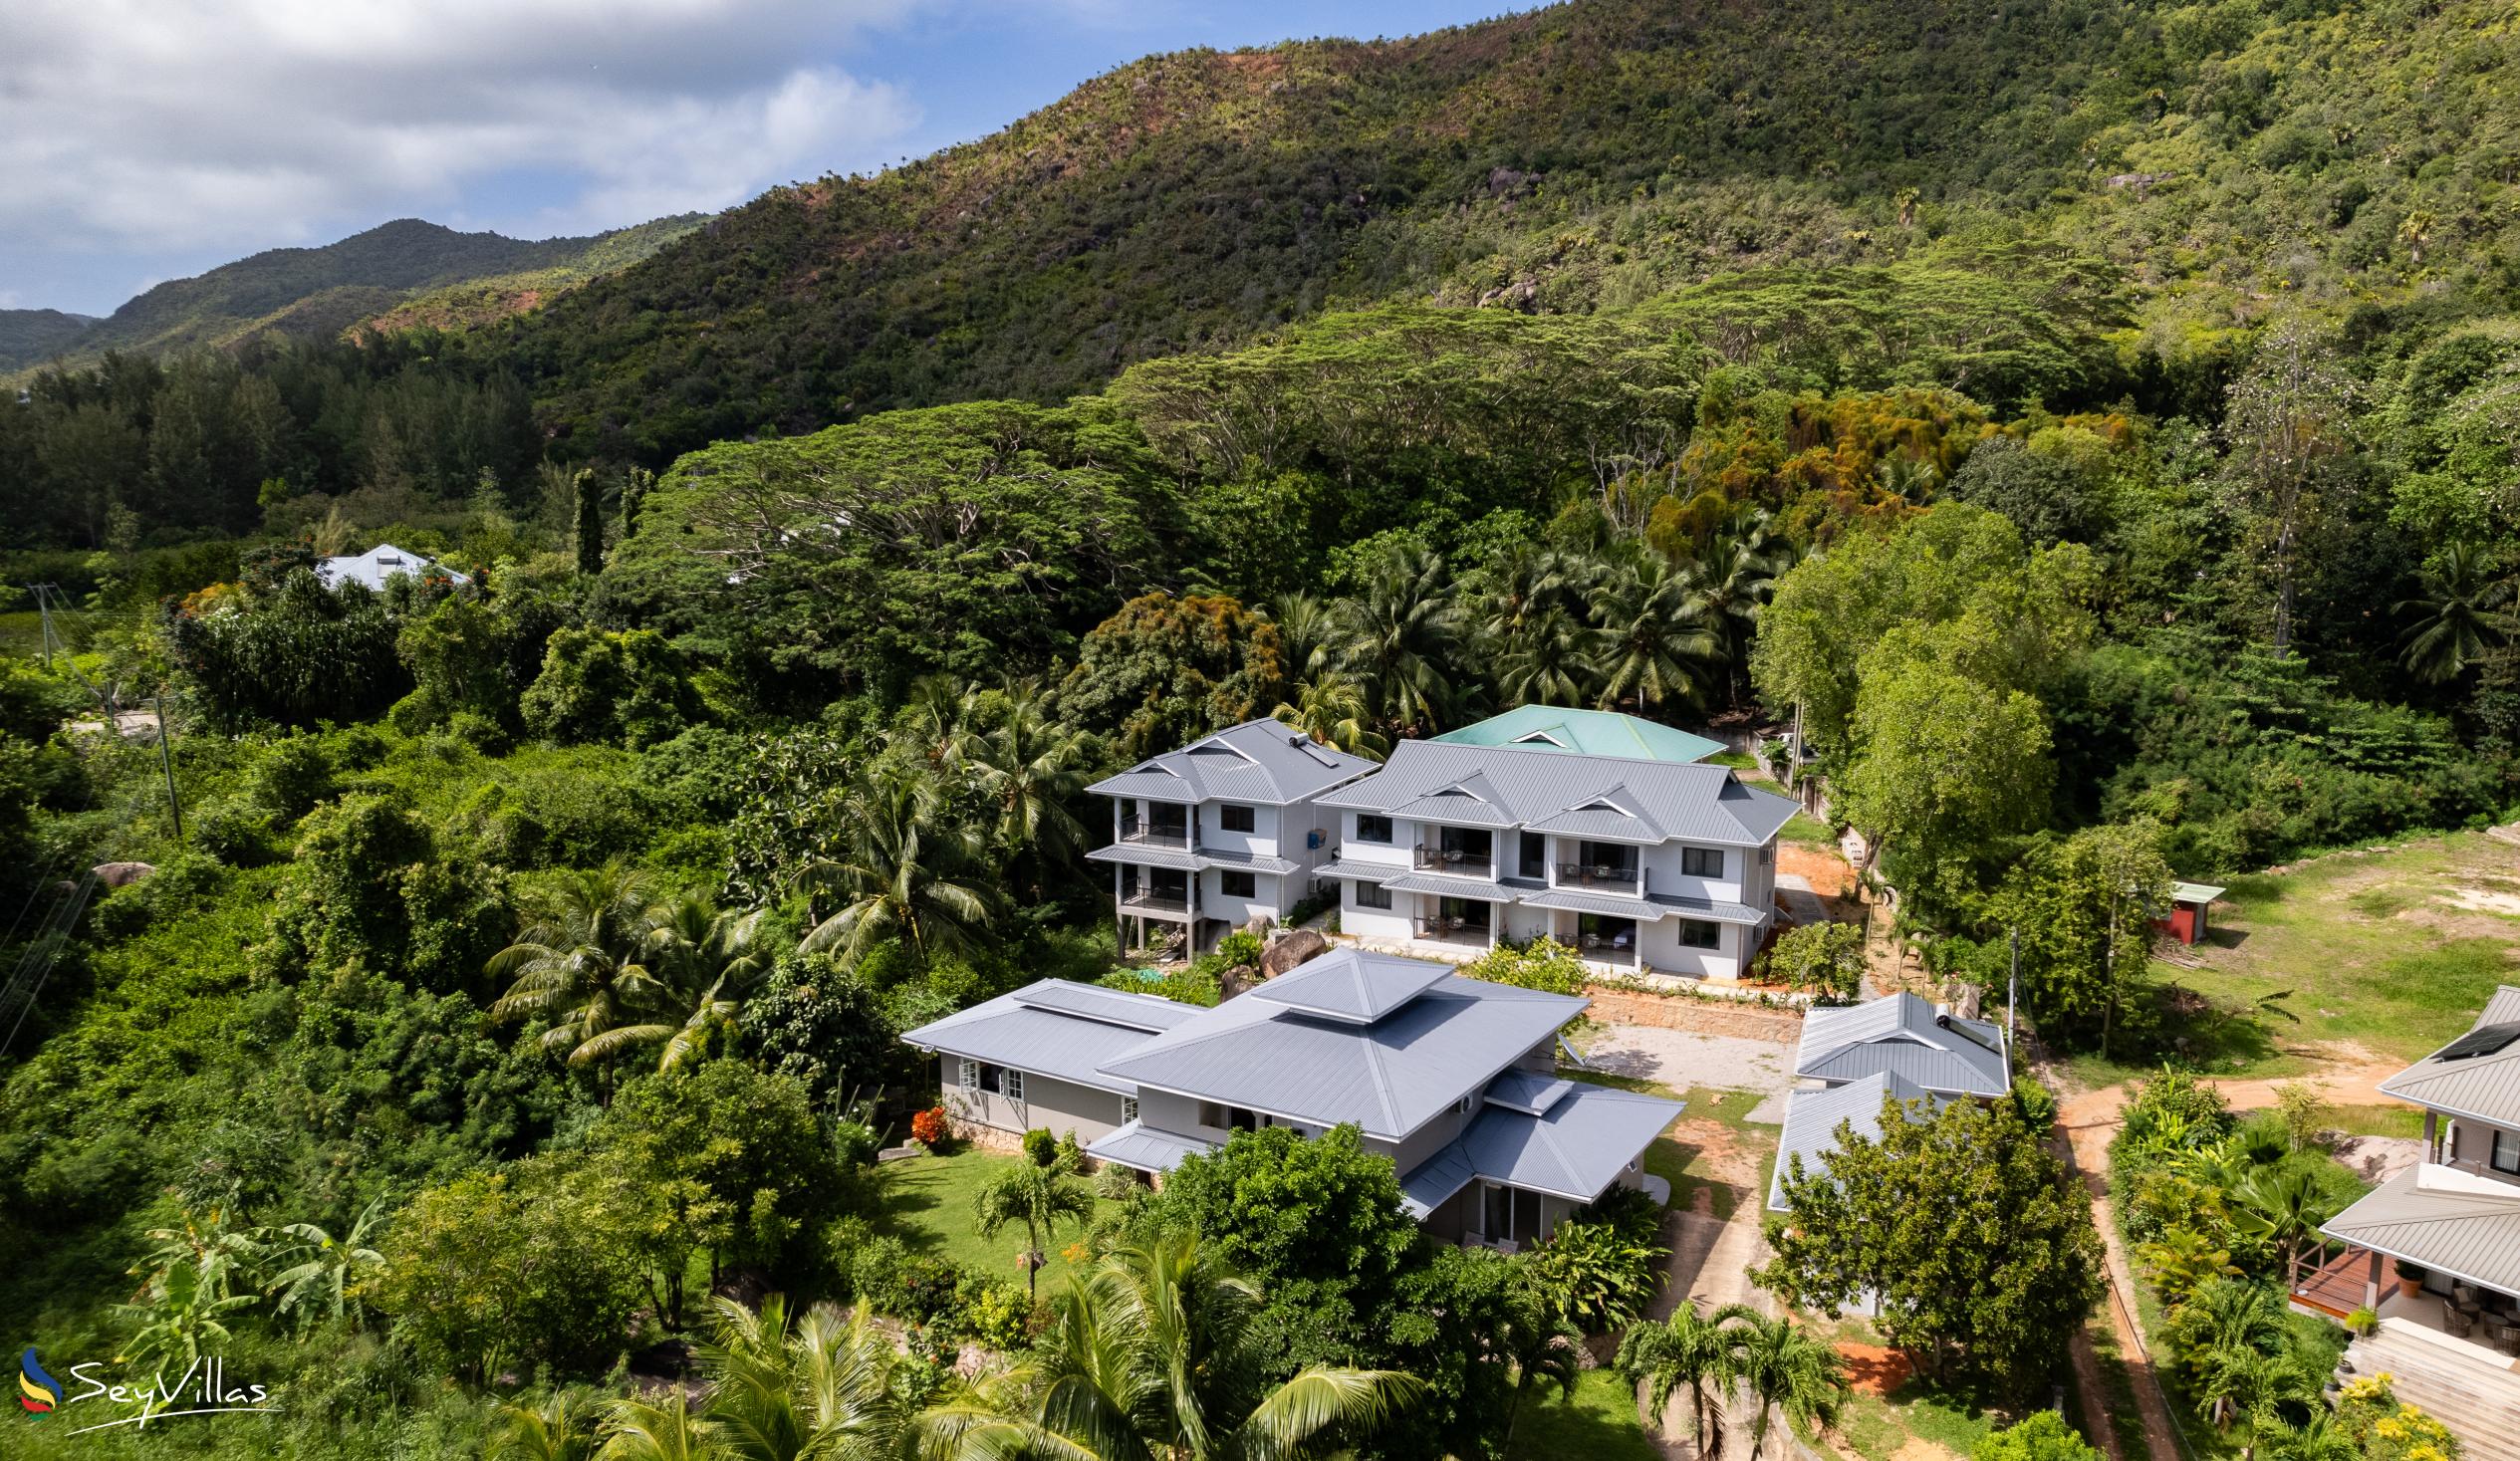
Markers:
150,141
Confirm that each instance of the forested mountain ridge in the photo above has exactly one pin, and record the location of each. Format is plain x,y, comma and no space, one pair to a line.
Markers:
320,291
1602,152
31,334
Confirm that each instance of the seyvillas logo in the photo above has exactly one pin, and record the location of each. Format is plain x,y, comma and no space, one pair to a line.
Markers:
37,1391
203,1388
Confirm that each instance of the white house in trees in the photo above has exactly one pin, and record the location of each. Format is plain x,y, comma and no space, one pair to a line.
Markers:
1223,829
1603,831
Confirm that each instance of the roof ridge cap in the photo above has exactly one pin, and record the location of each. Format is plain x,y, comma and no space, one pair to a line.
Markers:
1382,1082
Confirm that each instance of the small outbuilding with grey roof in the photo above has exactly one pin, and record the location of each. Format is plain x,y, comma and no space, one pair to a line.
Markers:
1900,1033
1222,831
1813,1114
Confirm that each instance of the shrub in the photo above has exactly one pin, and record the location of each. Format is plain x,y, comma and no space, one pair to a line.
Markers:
1593,1275
931,1128
1040,1147
2043,1437
887,1276
992,1311
1238,948
854,1143
1543,964
1826,959
2036,1102
2363,1323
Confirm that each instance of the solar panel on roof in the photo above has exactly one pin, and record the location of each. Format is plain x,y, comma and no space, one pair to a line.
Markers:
2484,1039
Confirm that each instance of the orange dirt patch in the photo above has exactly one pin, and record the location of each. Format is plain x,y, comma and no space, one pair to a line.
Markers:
1719,1149
1874,1370
1826,872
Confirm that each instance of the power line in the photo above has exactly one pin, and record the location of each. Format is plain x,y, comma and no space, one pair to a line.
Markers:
36,964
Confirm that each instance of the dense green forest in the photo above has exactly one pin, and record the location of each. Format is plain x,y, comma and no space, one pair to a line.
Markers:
2118,402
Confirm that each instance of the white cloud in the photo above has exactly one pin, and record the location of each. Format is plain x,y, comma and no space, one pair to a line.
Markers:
140,125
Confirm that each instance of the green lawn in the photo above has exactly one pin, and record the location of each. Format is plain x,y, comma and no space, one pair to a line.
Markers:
1878,1427
1804,829
927,1203
2392,952
1737,760
1688,1166
1600,1423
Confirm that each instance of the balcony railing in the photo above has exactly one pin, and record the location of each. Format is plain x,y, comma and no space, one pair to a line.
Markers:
1141,835
1454,930
1153,902
1608,875
1456,862
1594,949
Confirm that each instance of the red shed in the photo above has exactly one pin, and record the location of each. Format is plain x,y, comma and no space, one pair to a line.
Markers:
2188,903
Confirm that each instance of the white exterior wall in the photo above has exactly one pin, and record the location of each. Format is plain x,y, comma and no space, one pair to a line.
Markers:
1059,1107
1662,948
1267,896
1523,925
1396,854
1663,874
1389,925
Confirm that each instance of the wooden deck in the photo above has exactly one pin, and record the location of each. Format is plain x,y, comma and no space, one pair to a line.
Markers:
2339,1286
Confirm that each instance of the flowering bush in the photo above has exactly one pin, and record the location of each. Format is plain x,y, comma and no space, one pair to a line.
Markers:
2387,1428
929,1129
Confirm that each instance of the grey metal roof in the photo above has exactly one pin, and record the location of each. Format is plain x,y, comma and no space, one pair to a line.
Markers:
1012,1030
1607,906
1351,986
1812,1116
1709,908
1435,1179
1261,761
1901,1033
1388,1078
1360,871
1466,811
1129,1011
1145,1147
1141,855
1575,1149
2461,1223
379,563
1541,788
2485,1087
1528,1091
2194,892
1477,890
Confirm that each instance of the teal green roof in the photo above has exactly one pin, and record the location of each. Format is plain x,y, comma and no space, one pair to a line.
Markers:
1585,733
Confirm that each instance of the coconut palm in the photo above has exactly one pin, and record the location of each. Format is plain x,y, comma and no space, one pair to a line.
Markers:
1331,709
1553,661
1143,1362
1031,768
325,1272
708,958
559,1427
2321,1438
1788,1369
637,1429
1659,647
935,722
1703,1352
1737,575
1543,1348
2459,619
827,1385
1037,1197
1397,640
897,872
584,961
1307,632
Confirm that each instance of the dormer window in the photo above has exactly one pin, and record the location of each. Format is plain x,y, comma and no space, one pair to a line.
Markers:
1540,738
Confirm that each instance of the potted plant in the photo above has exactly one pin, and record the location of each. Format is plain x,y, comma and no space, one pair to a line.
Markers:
2411,1277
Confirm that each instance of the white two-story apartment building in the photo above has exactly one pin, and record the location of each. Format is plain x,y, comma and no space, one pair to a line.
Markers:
1226,828
1599,831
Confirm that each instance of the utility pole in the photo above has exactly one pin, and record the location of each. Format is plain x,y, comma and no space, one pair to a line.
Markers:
2012,994
166,763
44,615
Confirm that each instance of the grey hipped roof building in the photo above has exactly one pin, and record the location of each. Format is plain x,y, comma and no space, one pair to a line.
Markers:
1902,1035
1812,1119
1602,798
1266,762
1454,1078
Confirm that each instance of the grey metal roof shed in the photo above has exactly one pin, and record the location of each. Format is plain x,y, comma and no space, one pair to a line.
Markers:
1903,1033
1813,1115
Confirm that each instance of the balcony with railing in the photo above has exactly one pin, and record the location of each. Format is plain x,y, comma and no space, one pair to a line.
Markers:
1155,834
1156,900
1457,929
1609,877
1455,861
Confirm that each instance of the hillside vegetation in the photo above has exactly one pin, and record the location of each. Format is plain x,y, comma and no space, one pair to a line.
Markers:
317,292
33,335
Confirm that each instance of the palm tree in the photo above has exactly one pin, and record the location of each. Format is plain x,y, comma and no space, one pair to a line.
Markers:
2283,1207
897,874
641,1431
1658,640
330,1264
831,1384
1399,636
1544,1348
1553,661
1031,768
191,1285
1737,575
1142,1362
1700,1351
1330,709
2320,1438
559,1428
1307,632
2459,618
1788,1369
935,721
583,961
1036,1196
2221,1330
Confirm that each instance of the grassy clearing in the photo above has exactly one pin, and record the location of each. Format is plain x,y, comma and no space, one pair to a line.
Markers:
2374,1120
1878,1427
1804,829
927,1203
1689,1165
2381,954
1737,760
1598,1423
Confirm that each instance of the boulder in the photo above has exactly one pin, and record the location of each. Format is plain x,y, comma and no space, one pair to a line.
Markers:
121,874
1260,925
1297,946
